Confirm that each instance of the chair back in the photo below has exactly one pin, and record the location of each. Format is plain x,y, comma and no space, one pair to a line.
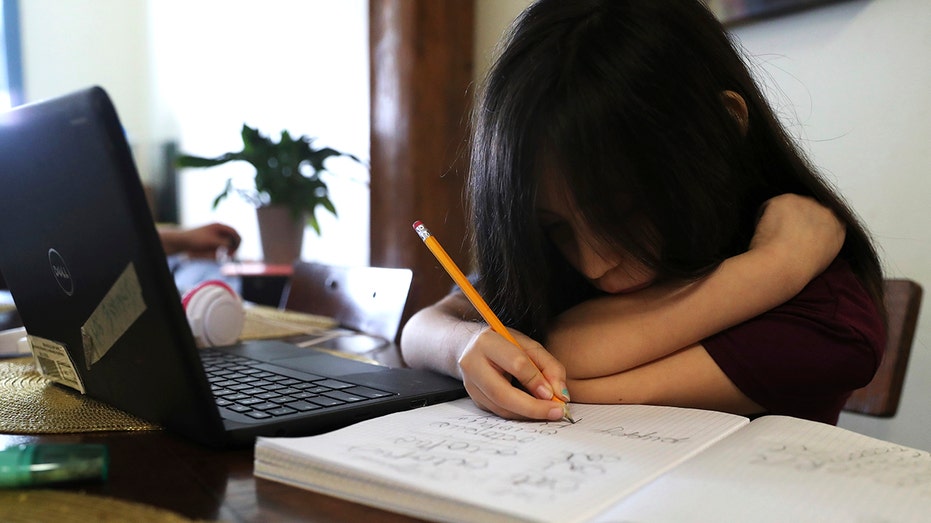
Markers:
881,396
367,299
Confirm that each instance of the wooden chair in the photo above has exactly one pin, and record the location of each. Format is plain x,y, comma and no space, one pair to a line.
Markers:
880,397
365,299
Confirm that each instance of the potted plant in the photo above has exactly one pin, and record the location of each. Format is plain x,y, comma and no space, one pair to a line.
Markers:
288,187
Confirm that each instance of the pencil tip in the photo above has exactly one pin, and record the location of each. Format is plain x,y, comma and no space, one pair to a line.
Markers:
567,415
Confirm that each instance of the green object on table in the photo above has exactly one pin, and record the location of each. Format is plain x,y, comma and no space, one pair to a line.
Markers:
45,464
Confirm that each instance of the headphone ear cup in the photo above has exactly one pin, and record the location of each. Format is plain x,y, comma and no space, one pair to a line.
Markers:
215,313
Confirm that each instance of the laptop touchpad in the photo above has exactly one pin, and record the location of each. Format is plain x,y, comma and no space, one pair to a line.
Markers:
355,343
326,365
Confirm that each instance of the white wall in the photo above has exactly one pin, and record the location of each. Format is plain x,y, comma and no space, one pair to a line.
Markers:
72,44
856,75
853,82
195,71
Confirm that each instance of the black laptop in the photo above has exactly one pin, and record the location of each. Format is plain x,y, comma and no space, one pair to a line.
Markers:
83,261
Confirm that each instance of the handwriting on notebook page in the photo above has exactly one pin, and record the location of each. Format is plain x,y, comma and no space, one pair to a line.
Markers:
488,448
469,445
619,462
892,465
454,455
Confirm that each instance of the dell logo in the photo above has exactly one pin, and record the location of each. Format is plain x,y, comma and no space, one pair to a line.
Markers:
60,272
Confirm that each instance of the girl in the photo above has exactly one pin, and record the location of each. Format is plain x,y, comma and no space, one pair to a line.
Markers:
650,232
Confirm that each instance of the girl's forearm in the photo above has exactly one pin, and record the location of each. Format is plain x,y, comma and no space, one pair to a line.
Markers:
686,378
435,337
616,333
795,239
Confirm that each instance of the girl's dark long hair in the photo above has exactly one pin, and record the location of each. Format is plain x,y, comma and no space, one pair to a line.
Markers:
624,99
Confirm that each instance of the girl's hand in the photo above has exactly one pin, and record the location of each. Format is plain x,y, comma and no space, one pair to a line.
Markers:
488,363
801,231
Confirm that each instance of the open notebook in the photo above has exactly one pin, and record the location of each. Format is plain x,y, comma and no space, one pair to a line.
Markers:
454,462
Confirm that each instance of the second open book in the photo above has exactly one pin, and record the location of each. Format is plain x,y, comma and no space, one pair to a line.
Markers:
454,462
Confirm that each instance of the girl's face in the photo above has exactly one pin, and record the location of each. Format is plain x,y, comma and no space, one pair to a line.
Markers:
607,270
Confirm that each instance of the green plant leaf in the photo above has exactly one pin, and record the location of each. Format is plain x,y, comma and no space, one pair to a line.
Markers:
314,224
226,191
287,172
328,205
185,160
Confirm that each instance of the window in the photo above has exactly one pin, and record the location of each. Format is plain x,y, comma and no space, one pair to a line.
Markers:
11,66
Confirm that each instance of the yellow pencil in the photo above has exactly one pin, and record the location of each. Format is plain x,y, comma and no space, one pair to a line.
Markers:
480,305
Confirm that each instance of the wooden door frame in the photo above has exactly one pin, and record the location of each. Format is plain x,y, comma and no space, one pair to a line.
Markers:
421,65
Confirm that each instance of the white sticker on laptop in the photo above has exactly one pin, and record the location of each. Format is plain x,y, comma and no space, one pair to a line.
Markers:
119,309
54,362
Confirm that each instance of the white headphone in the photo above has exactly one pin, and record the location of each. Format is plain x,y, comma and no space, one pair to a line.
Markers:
215,313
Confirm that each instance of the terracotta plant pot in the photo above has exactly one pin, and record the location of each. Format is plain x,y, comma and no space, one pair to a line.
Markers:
282,235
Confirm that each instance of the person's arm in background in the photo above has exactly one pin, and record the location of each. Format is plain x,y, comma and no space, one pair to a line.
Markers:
200,242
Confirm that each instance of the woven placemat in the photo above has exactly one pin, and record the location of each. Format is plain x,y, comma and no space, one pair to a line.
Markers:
263,322
75,507
31,404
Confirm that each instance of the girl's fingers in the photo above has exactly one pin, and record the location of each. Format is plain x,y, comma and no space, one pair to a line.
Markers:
513,403
487,378
551,372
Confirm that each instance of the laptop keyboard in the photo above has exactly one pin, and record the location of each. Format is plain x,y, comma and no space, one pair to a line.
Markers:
240,386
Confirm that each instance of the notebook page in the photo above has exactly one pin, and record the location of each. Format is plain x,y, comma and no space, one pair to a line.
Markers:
786,469
438,461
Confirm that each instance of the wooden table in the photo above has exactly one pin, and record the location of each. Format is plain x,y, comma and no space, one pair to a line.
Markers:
163,470
260,282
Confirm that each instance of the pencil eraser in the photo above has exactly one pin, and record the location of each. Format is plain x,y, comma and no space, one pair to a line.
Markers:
418,223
